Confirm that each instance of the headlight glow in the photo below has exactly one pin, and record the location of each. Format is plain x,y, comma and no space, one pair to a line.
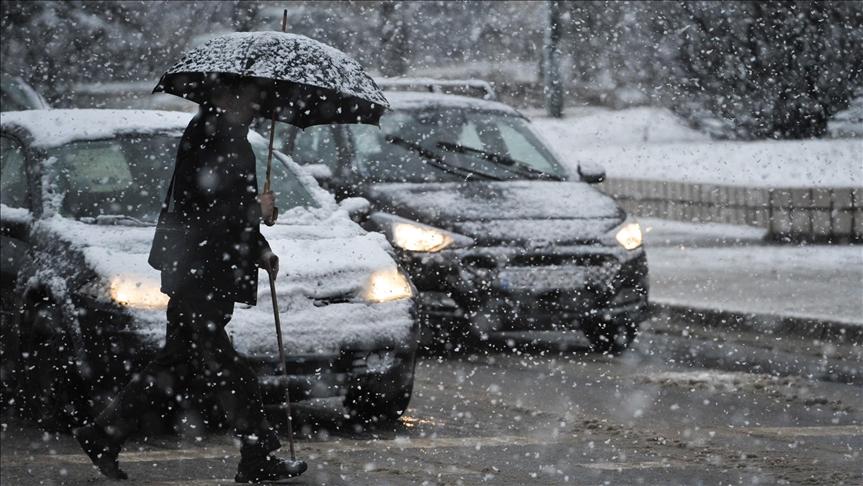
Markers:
386,286
413,237
629,236
137,293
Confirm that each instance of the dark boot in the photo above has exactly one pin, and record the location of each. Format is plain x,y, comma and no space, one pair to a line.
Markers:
101,450
268,468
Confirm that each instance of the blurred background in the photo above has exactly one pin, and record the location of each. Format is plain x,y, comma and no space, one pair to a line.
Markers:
743,70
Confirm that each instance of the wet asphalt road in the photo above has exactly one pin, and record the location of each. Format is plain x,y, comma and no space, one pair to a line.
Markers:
686,406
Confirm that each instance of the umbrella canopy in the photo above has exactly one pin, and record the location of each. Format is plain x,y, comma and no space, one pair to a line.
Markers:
299,80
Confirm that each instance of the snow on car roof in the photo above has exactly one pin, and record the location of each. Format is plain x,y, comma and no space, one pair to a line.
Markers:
51,128
413,100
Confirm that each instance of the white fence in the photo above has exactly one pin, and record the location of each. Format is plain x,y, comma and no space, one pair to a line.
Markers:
813,214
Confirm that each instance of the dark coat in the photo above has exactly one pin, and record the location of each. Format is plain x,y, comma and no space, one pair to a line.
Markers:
215,200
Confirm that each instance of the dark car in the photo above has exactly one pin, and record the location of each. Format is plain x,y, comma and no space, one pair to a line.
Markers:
499,239
81,190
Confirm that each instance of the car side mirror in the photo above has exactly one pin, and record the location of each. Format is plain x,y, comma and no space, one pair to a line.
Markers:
321,172
591,173
358,208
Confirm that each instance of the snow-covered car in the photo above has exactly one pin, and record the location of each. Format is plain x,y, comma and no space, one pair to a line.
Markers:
81,190
499,239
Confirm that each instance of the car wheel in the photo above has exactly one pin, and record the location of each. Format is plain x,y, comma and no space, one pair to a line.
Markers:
53,392
371,404
610,337
382,398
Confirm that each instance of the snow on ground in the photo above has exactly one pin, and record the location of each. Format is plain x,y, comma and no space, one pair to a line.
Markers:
820,282
664,232
594,127
651,143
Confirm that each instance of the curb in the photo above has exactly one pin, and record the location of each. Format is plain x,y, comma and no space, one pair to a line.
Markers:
837,332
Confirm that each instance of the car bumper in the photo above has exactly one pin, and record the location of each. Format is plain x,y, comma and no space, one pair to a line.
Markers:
598,283
347,359
331,375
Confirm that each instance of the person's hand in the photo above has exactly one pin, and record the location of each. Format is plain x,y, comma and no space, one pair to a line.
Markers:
269,211
269,261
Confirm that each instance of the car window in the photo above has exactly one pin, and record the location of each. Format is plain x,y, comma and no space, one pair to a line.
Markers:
442,145
124,176
316,145
9,102
522,146
129,176
469,137
13,178
288,188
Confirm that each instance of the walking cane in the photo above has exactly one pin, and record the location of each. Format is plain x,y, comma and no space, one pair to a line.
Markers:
283,361
273,294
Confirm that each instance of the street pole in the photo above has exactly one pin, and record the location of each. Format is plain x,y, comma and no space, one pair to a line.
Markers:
394,39
552,88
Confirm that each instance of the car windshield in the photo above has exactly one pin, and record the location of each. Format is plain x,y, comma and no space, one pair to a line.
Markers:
128,176
451,145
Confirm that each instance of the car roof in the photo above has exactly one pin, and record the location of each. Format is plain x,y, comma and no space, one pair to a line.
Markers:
431,85
52,128
418,100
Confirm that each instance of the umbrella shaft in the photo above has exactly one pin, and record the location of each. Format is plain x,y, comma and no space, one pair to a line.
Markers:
270,153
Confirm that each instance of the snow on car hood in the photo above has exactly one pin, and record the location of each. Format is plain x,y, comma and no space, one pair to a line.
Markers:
319,259
506,212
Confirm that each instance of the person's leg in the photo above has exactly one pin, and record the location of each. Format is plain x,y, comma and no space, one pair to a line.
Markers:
154,386
103,439
231,378
160,381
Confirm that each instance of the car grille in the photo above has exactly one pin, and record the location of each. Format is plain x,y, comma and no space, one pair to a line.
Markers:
334,299
488,262
544,260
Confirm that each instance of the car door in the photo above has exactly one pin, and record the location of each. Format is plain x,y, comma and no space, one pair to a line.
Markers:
16,214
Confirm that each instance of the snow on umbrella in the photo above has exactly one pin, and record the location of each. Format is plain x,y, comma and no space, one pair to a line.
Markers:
303,81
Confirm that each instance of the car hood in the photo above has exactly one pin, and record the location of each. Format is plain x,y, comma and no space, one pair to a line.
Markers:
330,260
506,212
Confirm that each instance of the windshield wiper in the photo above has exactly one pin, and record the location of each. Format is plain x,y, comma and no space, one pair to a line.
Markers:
508,163
116,219
437,161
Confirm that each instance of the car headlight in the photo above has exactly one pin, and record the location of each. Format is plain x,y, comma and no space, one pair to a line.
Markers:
137,293
629,236
412,236
387,285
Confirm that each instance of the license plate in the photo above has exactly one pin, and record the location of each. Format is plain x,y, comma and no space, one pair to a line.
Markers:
542,278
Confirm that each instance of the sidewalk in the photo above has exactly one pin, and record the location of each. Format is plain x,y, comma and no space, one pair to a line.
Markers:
728,271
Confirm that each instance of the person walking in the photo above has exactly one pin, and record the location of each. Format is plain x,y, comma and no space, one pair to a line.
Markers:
215,201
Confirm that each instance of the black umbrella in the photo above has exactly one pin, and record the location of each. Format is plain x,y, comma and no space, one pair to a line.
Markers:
303,81
298,80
